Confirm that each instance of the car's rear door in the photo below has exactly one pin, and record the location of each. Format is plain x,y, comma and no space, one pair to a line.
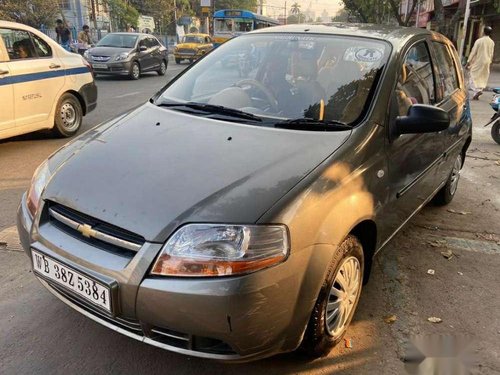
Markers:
7,119
38,78
452,97
413,159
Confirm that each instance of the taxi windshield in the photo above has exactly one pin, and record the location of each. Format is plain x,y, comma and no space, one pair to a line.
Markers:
286,76
192,39
118,40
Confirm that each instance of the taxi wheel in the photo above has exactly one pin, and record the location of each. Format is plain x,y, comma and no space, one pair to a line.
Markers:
163,68
68,116
135,71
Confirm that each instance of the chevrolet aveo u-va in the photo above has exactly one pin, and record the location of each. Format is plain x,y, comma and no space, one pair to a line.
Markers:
237,217
42,86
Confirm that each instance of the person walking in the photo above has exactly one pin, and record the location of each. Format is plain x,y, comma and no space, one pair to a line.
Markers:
63,35
84,39
480,59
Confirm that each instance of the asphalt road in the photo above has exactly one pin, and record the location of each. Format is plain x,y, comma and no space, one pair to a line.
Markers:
41,335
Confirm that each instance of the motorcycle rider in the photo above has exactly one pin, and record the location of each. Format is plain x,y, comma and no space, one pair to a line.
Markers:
84,39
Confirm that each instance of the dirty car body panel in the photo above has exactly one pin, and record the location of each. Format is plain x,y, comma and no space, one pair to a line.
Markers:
183,167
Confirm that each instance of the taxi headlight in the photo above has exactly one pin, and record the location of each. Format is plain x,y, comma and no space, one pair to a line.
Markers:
40,179
221,250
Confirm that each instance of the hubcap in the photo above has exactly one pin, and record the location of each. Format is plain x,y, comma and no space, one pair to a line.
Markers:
163,67
455,175
69,117
135,70
343,295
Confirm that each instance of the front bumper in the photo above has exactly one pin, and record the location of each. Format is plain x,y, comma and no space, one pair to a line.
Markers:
229,318
114,68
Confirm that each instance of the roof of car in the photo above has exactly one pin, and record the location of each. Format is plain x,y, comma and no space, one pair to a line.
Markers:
127,33
397,35
196,34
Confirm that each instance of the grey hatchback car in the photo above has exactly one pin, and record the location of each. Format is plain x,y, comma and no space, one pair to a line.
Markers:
128,54
236,217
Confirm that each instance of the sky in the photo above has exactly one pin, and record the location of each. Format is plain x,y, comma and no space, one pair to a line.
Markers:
331,6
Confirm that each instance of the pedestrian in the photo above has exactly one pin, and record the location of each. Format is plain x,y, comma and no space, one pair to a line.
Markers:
63,35
478,64
130,29
84,39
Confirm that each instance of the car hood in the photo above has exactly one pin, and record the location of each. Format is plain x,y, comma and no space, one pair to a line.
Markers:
156,169
189,45
108,51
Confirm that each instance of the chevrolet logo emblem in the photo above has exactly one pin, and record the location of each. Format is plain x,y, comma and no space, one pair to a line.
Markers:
86,230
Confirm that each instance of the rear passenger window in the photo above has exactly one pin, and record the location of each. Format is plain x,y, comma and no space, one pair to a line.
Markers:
18,43
416,81
447,80
41,47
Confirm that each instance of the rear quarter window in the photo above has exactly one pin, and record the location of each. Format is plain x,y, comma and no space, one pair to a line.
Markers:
447,81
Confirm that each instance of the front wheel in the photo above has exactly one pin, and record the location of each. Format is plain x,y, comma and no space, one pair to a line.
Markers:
135,71
495,132
447,192
68,116
163,68
337,300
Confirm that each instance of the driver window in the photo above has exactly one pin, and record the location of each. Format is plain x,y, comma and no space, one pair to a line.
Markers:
415,83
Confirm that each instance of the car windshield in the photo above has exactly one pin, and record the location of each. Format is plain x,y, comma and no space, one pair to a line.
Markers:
223,25
286,76
192,39
118,40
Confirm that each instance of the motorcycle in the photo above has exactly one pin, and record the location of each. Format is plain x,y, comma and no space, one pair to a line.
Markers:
495,119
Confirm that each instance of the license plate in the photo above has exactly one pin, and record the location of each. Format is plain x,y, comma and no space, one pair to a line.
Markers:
99,66
77,282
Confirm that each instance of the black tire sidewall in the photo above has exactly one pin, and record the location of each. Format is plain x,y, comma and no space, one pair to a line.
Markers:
317,341
495,132
59,128
160,72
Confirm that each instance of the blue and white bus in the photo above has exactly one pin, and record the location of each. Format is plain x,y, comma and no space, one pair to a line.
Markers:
229,23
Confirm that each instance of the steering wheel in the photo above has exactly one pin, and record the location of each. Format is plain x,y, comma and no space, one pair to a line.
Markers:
273,102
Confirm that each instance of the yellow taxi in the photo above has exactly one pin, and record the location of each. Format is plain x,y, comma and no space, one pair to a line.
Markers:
42,86
192,46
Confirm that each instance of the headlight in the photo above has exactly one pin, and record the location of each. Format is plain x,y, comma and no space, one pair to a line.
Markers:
122,56
38,183
221,250
86,54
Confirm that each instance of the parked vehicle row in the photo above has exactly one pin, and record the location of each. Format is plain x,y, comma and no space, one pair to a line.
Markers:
244,215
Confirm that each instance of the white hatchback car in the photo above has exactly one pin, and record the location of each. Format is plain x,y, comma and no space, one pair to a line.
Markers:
42,86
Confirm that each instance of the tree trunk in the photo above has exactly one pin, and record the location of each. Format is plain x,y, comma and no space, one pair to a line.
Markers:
439,15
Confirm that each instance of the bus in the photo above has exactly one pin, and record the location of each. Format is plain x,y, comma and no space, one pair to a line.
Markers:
229,23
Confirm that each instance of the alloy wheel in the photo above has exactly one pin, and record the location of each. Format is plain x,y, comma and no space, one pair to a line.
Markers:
343,295
455,175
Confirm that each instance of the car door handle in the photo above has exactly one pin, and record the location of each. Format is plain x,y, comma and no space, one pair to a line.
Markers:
54,66
3,72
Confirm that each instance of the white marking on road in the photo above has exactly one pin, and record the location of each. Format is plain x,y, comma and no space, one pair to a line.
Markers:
128,94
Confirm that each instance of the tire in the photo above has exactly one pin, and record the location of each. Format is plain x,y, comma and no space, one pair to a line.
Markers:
191,61
447,192
163,68
177,61
495,132
135,71
68,116
323,333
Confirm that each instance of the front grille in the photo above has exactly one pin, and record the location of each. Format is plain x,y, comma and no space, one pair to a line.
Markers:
186,51
127,324
190,342
100,58
99,233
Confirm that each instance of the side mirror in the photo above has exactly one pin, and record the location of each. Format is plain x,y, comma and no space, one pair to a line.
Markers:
422,118
143,48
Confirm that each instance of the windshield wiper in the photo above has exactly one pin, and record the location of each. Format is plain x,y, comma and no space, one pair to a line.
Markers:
213,109
312,124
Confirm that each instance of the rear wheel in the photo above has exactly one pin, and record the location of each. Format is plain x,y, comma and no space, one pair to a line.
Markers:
495,132
68,116
163,68
177,61
337,300
135,71
447,192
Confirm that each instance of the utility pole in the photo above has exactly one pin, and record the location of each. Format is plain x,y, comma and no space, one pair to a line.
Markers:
464,31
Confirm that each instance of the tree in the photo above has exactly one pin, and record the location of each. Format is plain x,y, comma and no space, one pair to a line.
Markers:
34,13
384,11
236,4
122,14
295,9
